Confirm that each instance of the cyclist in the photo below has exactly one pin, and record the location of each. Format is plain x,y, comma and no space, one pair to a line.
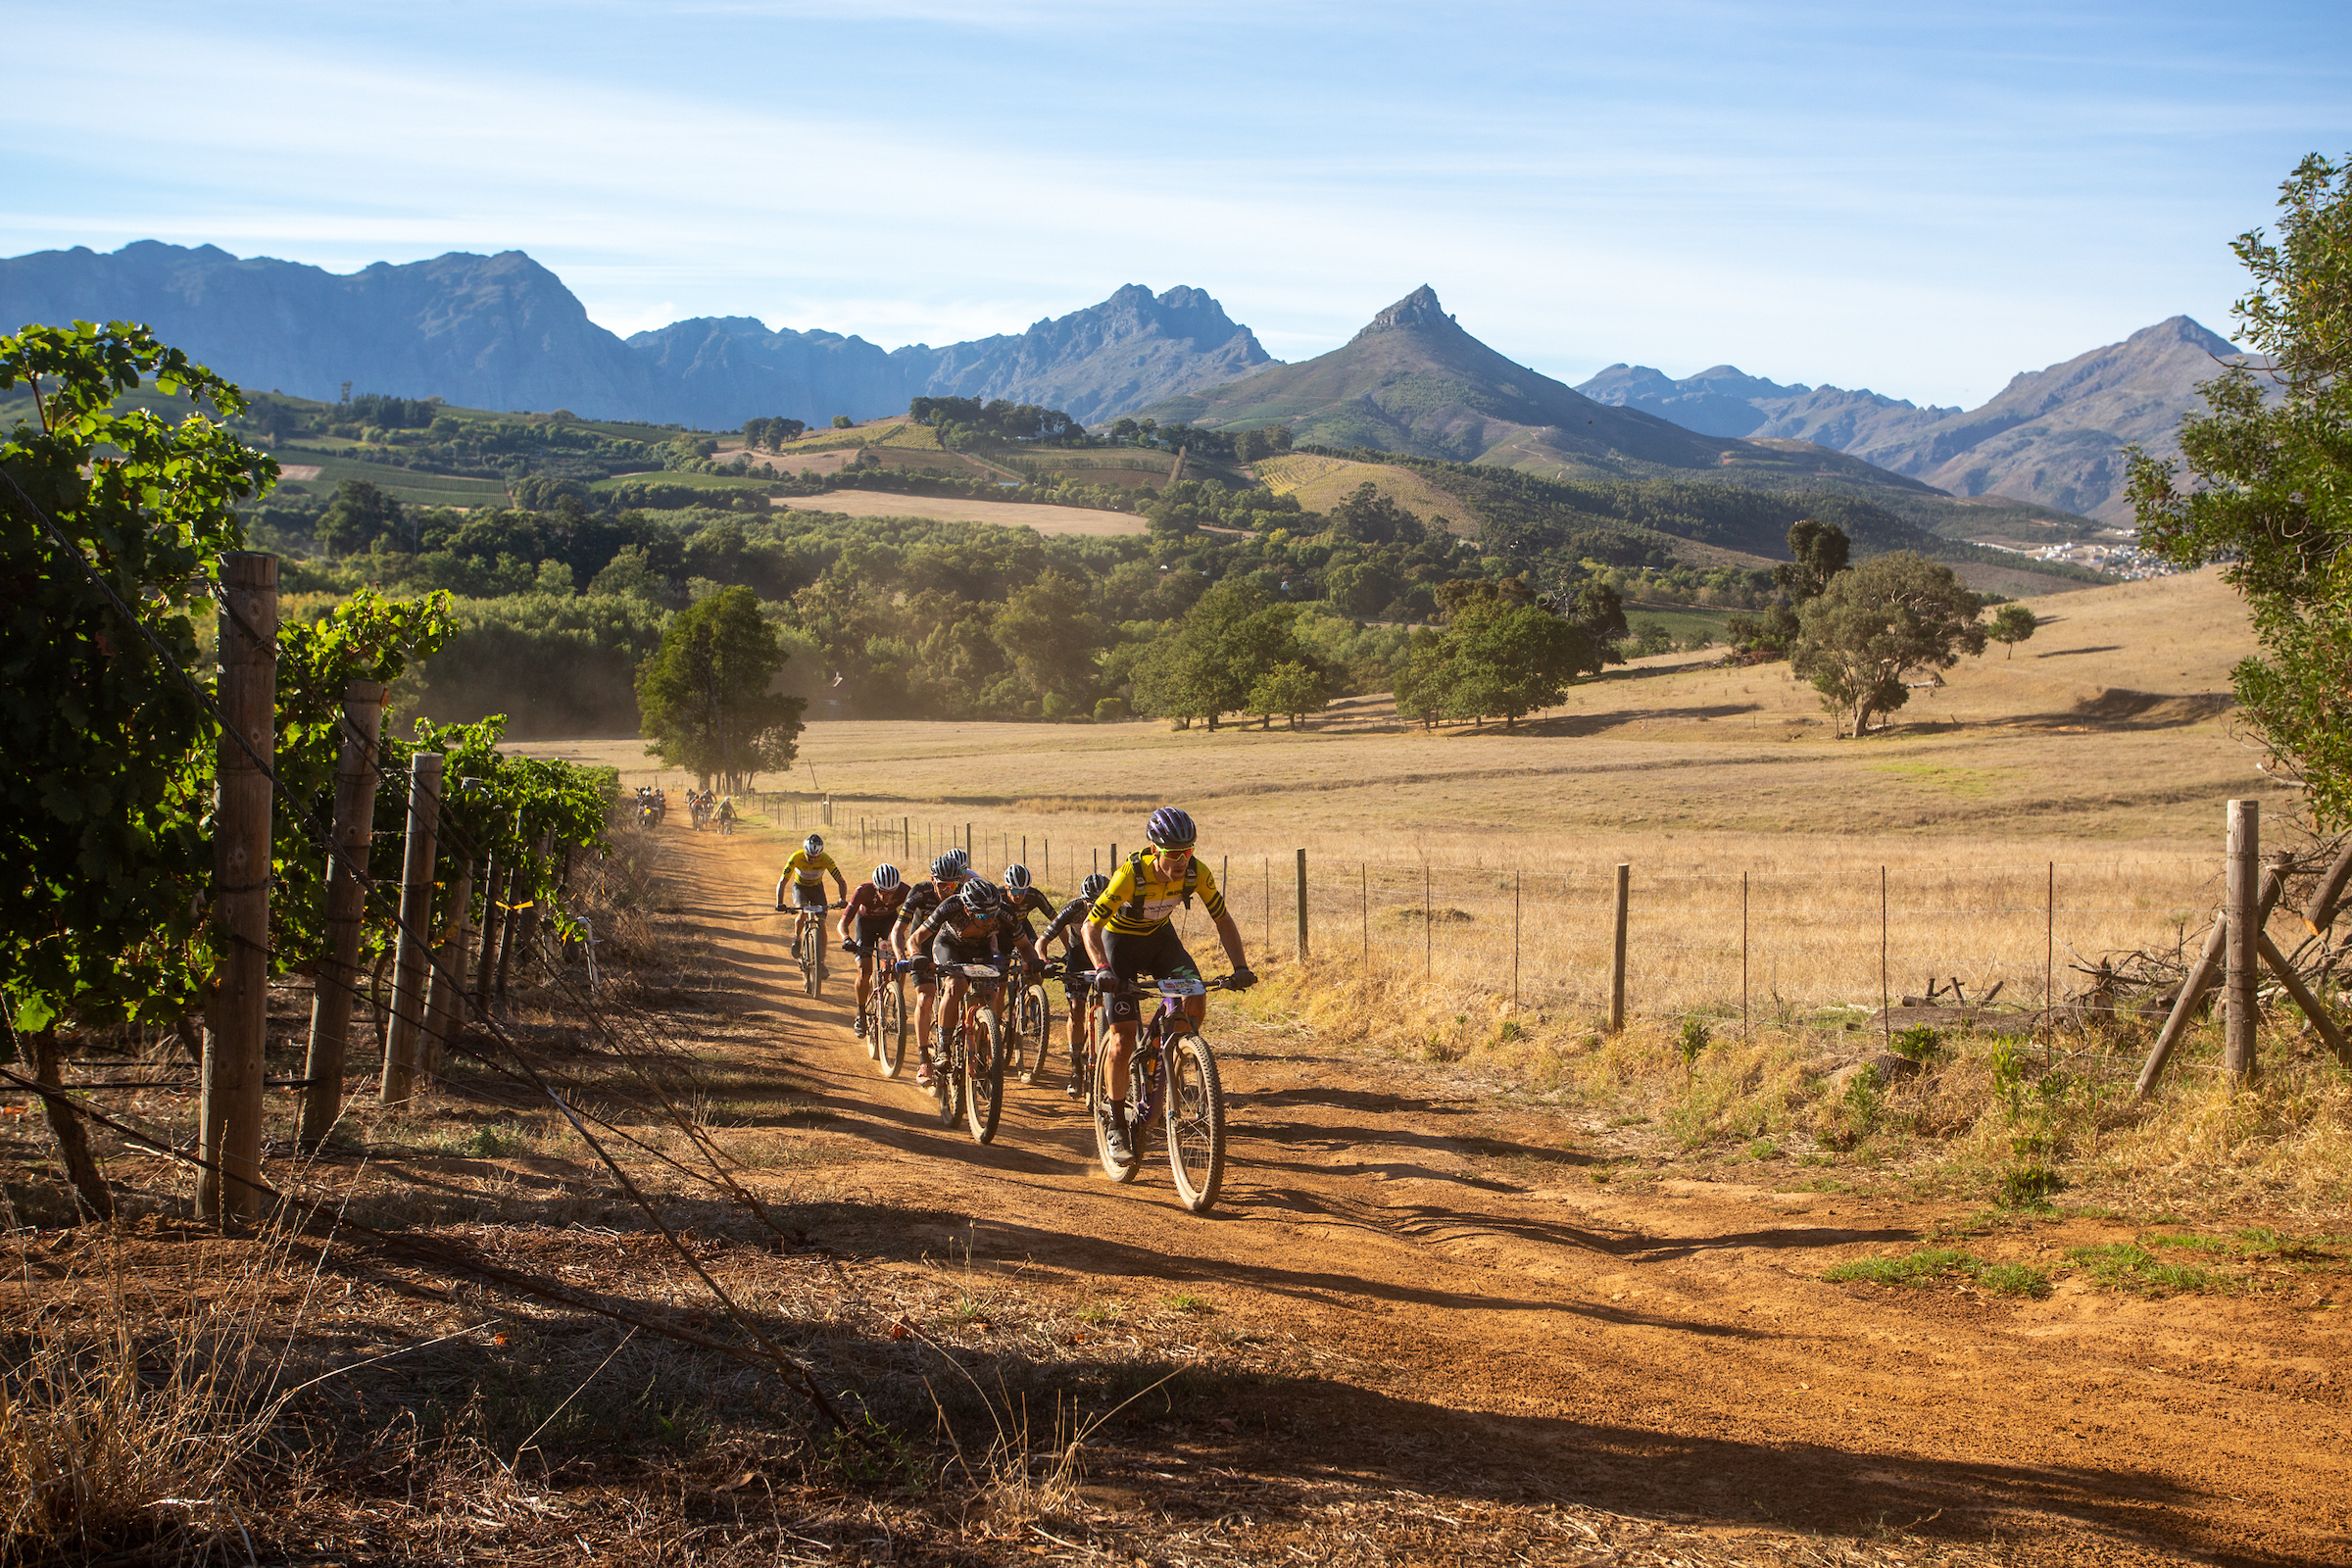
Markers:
976,926
1130,931
806,871
726,814
865,922
1075,969
947,879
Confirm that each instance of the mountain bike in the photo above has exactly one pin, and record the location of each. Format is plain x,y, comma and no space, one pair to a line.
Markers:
886,1033
808,946
1172,1076
972,1077
885,1017
1028,1014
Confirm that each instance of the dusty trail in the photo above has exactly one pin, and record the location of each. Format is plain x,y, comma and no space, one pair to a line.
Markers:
1491,1321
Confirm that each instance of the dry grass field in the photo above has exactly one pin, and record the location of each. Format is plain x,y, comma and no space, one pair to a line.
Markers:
954,508
2038,811
1321,483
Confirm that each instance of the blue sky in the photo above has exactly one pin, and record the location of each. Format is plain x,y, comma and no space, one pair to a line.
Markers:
1918,198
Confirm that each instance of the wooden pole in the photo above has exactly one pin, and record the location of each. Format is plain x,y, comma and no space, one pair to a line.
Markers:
2243,951
508,924
485,969
1625,885
2311,1005
1302,906
415,925
230,1112
2320,911
445,1001
2201,979
346,902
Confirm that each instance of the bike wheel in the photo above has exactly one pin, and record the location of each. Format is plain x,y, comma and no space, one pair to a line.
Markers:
1098,1101
812,975
1196,1121
1032,1016
984,1060
890,1024
946,1083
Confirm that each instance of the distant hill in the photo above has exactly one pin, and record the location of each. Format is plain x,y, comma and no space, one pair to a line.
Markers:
503,332
1414,382
2053,437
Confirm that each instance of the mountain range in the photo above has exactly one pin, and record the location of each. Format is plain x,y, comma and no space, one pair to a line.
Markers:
503,332
2055,436
1414,381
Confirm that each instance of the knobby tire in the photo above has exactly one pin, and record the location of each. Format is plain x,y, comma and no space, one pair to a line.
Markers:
984,1055
889,1024
1194,1113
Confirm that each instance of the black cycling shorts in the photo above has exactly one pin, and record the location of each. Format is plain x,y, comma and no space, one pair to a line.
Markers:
874,930
946,950
807,895
1159,953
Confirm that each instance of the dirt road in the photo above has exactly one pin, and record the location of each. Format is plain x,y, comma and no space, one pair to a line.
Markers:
1490,1322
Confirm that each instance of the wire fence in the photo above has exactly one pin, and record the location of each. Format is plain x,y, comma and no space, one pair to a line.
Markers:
1775,945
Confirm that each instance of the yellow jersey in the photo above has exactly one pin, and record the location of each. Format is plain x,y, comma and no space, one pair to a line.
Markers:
809,869
1139,901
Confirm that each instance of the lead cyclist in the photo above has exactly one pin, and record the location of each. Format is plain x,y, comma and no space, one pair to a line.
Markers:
1130,931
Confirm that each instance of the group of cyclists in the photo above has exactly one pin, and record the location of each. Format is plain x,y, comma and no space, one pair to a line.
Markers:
653,805
708,809
1119,928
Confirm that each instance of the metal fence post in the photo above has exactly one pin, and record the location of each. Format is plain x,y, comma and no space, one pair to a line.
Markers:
1625,880
1302,906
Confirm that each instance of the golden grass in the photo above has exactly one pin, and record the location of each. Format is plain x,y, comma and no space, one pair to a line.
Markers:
1989,1119
1321,483
2097,758
1086,521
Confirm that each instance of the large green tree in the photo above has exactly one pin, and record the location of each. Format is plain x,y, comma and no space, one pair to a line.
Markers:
104,858
1879,621
704,702
2272,490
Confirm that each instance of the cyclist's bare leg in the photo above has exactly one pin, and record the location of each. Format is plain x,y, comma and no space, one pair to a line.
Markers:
865,976
1122,1052
951,998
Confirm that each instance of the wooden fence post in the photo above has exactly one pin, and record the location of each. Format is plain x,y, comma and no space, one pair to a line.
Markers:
229,1114
1625,882
494,879
1302,906
444,999
2244,952
346,902
416,928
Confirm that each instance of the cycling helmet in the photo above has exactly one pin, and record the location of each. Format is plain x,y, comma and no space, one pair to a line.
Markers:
1093,887
982,899
944,867
963,862
1171,828
1016,877
886,877
814,843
